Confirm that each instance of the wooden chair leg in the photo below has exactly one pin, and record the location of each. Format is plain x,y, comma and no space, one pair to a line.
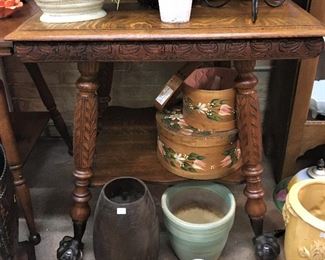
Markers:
49,103
22,191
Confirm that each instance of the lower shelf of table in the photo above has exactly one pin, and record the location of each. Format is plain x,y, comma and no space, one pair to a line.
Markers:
126,146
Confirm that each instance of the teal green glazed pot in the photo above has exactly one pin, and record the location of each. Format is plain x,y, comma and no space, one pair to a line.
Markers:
196,239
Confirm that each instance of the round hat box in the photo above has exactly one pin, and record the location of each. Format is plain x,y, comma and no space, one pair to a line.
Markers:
194,154
209,99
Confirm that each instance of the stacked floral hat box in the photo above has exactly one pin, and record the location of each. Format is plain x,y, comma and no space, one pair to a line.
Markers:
198,141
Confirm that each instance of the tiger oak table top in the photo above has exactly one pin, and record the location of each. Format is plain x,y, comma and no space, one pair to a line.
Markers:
231,21
138,35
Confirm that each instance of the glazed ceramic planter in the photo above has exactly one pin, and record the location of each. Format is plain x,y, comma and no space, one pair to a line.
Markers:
193,153
209,99
172,11
57,11
198,217
125,224
304,216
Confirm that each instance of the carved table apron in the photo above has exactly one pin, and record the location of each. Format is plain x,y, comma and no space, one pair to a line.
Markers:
209,36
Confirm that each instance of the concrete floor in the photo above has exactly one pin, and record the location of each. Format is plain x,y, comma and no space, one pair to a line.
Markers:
49,175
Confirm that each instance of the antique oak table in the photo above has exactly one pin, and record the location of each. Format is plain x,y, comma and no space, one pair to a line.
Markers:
19,131
286,32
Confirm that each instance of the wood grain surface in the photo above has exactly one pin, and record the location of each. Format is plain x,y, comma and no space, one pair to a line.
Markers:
9,24
126,146
231,21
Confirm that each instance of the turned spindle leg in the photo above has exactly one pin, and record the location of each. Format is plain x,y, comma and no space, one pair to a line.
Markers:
22,191
84,141
85,130
249,126
49,102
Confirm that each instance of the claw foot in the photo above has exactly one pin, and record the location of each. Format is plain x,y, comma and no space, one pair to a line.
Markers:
70,249
267,246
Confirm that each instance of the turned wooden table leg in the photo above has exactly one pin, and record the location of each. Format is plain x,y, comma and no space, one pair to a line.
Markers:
85,130
8,140
249,126
49,103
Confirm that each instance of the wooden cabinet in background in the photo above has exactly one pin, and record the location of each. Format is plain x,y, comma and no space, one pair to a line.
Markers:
288,133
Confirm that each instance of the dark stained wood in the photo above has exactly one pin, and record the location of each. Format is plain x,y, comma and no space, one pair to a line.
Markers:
25,251
300,106
15,163
292,92
249,125
201,50
212,34
49,103
85,131
9,24
231,21
126,146
28,126
105,79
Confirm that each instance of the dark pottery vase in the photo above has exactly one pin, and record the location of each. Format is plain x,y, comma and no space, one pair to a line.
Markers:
126,225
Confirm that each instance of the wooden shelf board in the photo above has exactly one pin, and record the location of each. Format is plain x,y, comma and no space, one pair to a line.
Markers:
126,146
28,126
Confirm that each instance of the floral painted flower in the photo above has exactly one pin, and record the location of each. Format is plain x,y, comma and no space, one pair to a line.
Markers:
161,147
225,110
214,110
186,131
176,117
182,122
199,165
187,162
238,153
179,158
202,108
174,120
226,161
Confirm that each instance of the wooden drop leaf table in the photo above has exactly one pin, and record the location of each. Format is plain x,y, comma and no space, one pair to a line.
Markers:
286,32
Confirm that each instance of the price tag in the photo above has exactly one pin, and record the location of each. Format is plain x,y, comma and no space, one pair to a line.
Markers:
121,211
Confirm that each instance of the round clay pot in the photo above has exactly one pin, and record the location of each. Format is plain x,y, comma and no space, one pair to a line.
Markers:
205,107
194,154
125,224
198,217
57,11
304,216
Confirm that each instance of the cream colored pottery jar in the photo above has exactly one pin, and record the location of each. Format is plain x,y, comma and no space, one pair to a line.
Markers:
60,11
304,216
